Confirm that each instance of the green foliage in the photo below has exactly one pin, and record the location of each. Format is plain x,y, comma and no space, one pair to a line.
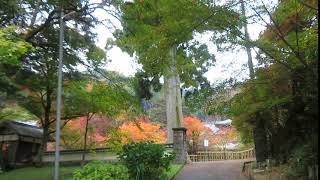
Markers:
33,83
144,84
150,29
201,100
300,160
146,160
280,105
100,98
15,112
38,68
11,46
156,110
115,140
97,170
95,97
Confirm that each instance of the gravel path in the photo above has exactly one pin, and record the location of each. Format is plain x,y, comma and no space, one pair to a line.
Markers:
216,170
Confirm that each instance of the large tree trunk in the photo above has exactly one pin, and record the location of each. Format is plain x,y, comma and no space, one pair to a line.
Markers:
247,38
43,146
173,96
45,126
260,140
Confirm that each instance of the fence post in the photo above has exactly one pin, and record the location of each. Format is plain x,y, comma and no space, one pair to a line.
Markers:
180,145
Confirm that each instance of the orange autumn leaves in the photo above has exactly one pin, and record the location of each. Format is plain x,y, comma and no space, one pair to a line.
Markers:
197,132
142,131
194,127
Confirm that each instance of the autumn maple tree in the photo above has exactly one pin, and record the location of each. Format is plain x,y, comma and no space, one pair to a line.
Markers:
225,136
195,131
94,98
142,130
72,133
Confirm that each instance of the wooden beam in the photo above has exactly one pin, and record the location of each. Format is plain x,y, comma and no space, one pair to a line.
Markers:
11,137
30,139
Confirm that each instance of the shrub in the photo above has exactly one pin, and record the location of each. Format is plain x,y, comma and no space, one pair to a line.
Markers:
97,170
303,156
146,160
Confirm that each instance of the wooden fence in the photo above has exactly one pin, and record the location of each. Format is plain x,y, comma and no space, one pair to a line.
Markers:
202,156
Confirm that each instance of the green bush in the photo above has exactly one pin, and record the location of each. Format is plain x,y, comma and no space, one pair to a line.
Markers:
145,160
97,170
303,156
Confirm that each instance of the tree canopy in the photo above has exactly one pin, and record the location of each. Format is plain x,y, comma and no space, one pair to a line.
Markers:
150,29
278,108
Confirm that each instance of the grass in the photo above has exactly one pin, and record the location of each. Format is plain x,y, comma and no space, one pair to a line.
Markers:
43,173
174,170
46,173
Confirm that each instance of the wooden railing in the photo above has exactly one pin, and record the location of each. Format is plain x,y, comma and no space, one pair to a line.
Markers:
202,156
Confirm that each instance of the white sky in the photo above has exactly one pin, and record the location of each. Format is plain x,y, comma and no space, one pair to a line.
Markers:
228,64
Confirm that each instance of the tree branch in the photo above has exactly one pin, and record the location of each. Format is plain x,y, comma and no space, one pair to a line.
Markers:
311,6
281,35
62,126
33,32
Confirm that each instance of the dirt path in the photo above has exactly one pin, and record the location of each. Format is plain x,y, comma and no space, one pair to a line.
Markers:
217,170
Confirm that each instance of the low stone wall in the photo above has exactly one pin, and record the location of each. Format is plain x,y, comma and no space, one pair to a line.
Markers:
101,154
77,156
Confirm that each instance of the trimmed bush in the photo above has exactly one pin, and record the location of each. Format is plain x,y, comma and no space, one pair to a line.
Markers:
97,170
146,160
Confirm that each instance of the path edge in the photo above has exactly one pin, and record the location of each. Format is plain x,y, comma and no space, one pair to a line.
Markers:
178,172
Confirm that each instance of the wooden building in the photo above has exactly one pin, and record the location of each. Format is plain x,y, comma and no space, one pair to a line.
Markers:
19,144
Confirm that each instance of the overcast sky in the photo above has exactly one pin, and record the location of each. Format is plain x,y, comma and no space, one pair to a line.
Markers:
228,64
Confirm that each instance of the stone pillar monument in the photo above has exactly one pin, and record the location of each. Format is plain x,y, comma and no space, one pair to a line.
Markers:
180,145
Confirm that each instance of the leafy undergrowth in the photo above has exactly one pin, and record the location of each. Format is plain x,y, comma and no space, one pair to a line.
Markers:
281,172
267,175
66,173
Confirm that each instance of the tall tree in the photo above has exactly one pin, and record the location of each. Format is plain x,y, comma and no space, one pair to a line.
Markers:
247,38
161,34
36,77
284,95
